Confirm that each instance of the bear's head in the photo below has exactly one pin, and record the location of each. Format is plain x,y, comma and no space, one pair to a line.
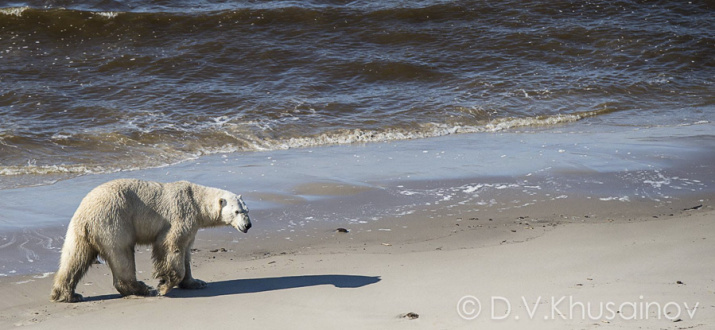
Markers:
234,212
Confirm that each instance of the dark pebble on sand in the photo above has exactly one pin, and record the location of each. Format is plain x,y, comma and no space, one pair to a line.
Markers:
218,250
341,230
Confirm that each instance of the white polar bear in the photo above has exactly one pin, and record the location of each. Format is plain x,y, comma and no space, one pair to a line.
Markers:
116,216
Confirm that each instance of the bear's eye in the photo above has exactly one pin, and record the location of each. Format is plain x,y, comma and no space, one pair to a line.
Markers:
237,212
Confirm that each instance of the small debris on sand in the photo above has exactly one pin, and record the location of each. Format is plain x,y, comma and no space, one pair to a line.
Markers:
342,230
218,250
410,316
696,207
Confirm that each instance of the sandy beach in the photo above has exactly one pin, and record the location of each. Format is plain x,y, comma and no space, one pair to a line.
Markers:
558,265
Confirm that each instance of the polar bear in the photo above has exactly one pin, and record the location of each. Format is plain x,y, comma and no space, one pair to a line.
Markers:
117,215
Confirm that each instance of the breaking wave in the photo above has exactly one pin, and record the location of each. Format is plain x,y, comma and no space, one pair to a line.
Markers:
157,157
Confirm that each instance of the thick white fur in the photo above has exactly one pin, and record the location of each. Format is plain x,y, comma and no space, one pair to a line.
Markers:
116,216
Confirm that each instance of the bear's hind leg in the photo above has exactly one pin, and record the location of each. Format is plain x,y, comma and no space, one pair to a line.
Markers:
77,256
121,261
168,267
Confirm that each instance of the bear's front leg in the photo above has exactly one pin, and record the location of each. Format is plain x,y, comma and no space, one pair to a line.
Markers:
189,282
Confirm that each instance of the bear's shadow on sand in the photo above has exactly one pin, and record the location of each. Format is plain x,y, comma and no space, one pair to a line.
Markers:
256,285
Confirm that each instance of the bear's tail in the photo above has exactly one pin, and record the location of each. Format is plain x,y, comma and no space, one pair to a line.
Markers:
77,255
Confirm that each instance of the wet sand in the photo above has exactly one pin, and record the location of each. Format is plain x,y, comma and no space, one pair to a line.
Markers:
294,194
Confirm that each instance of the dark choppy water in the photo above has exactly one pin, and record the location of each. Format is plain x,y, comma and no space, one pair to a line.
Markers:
102,86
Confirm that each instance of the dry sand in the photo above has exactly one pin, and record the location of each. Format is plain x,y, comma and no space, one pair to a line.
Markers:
630,265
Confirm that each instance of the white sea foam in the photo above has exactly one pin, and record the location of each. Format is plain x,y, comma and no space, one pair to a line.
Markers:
61,136
471,189
43,275
424,130
13,11
616,198
107,14
11,242
509,123
50,169
659,182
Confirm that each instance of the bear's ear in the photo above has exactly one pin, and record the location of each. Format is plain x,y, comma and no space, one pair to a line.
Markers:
218,207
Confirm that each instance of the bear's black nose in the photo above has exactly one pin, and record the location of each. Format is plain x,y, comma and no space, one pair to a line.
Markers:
248,226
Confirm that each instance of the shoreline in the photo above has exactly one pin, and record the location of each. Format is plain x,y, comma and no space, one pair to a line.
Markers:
301,191
424,264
